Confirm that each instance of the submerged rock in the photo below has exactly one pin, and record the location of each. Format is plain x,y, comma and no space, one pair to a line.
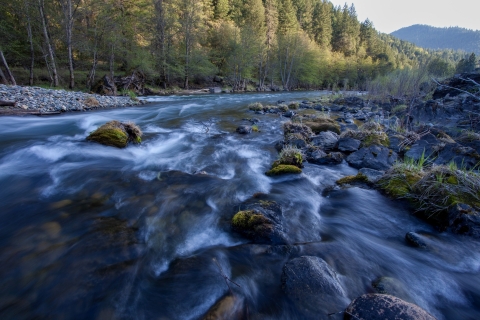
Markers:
415,240
261,222
244,129
374,306
116,134
313,286
391,286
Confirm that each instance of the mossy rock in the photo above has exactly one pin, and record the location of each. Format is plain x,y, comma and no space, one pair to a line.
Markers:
116,134
323,124
376,138
400,185
247,220
359,178
280,169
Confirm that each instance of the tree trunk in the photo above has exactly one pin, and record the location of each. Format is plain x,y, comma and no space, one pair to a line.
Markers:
2,77
41,7
112,61
160,10
30,41
9,73
67,9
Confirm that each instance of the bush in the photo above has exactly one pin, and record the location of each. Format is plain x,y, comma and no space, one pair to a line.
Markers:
290,155
256,106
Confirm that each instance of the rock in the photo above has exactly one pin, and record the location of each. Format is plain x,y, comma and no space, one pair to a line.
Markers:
116,134
215,90
289,114
463,157
244,129
390,286
350,101
320,157
323,124
374,306
312,285
260,221
426,147
282,169
373,157
463,219
348,144
325,140
372,175
415,240
228,307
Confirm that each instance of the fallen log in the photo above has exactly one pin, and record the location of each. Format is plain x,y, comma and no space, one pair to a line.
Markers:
4,103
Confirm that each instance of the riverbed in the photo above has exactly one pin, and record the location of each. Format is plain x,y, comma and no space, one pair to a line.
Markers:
89,231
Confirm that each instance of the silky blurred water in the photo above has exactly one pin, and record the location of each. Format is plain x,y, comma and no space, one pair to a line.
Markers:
89,231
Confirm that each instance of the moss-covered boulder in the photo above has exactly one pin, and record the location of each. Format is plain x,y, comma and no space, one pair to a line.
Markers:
116,134
352,180
260,221
283,169
322,124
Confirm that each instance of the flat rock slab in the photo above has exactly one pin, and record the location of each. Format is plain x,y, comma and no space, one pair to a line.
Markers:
373,157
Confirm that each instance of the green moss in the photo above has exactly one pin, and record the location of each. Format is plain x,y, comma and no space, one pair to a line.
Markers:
283,169
283,107
400,185
376,138
248,219
110,134
255,128
294,105
323,124
359,178
256,106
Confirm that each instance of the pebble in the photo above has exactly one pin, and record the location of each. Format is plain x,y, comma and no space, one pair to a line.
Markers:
48,100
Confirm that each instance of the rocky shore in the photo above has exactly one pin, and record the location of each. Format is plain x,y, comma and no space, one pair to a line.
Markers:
36,100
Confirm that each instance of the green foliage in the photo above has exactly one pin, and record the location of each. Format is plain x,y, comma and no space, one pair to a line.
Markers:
255,128
290,155
255,106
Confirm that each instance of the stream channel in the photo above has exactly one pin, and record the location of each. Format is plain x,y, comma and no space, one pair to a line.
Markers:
95,232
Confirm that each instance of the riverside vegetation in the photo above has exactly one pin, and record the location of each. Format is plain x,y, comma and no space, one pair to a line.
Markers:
154,46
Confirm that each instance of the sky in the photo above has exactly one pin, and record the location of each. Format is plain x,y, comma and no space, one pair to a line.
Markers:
390,15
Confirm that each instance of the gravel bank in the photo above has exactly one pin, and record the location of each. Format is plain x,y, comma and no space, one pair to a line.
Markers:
35,100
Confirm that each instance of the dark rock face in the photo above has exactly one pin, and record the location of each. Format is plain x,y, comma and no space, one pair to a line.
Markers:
463,219
320,157
325,140
373,157
415,240
244,129
312,284
348,144
456,82
375,306
466,157
261,222
425,146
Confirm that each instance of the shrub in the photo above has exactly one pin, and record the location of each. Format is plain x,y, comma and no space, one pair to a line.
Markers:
256,106
290,155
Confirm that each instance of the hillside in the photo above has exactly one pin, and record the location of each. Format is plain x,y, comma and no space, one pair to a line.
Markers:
441,38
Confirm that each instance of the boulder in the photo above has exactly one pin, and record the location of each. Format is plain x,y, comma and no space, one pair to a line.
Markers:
462,156
116,134
463,219
281,169
415,240
215,90
323,124
374,306
320,157
373,157
260,222
244,129
391,286
372,175
348,144
312,285
325,140
426,147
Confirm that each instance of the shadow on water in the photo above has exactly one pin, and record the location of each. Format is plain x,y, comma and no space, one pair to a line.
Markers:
88,231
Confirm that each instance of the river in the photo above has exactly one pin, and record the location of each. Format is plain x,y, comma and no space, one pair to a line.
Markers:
89,231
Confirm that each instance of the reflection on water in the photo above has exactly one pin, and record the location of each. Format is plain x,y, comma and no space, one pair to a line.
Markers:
89,231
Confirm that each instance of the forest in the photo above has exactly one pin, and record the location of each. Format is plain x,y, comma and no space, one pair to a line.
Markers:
240,44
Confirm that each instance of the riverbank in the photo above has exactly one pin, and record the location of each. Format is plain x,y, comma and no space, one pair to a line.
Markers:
40,101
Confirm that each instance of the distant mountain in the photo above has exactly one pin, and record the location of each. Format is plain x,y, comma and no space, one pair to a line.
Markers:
441,38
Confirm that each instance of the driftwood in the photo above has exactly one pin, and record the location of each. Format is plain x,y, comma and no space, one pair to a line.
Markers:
4,103
134,82
453,88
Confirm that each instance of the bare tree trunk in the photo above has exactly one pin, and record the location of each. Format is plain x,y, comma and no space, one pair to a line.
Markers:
68,13
112,61
159,7
9,73
91,74
2,77
30,41
41,7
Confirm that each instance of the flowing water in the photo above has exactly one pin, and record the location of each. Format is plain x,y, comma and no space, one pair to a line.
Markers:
89,231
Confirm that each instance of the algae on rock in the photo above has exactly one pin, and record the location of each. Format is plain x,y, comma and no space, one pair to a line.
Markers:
116,134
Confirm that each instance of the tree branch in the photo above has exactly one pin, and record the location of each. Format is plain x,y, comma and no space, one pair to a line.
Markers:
444,85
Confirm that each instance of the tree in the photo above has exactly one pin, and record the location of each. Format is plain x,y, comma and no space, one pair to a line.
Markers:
51,65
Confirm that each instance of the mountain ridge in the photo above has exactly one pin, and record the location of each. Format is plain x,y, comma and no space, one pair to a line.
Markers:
455,38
